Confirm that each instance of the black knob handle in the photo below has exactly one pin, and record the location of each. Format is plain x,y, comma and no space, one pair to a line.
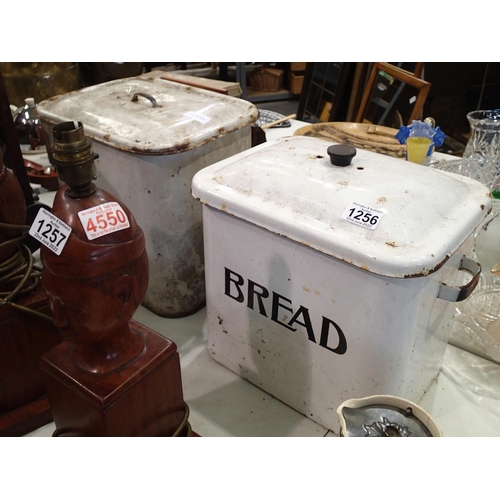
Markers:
341,155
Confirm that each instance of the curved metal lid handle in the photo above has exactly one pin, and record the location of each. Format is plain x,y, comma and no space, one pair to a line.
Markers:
147,96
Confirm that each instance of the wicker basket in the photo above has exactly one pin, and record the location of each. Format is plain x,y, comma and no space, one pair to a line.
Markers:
266,79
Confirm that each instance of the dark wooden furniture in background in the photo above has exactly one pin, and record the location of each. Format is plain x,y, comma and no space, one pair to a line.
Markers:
325,92
24,339
11,151
393,91
458,88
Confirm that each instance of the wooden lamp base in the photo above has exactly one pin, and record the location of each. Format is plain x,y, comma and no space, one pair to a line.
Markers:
143,398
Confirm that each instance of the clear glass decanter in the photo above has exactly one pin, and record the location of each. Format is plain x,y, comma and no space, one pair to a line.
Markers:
481,158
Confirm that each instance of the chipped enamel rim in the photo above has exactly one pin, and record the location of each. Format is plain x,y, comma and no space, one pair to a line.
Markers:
183,119
289,187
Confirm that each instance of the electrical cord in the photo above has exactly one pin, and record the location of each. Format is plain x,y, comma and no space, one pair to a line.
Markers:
183,430
18,274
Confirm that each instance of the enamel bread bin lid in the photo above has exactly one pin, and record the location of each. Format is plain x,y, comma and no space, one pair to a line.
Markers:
382,214
150,116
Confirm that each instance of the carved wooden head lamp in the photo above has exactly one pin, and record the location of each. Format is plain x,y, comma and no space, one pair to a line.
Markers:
104,234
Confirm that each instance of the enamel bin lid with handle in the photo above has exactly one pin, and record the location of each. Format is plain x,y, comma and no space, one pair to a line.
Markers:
327,283
152,136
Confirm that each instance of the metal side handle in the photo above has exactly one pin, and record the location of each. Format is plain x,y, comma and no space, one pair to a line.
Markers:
459,293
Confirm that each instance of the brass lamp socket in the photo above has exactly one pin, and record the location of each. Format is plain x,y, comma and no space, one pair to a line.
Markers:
74,157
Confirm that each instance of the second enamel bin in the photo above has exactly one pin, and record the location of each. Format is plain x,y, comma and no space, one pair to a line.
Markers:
152,136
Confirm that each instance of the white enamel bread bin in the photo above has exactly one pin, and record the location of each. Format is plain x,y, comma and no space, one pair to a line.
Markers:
152,136
329,283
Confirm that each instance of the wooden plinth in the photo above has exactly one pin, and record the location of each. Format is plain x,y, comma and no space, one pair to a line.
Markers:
23,339
144,398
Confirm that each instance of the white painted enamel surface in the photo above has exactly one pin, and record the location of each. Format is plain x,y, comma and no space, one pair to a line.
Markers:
147,159
290,187
185,118
281,263
396,330
156,190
